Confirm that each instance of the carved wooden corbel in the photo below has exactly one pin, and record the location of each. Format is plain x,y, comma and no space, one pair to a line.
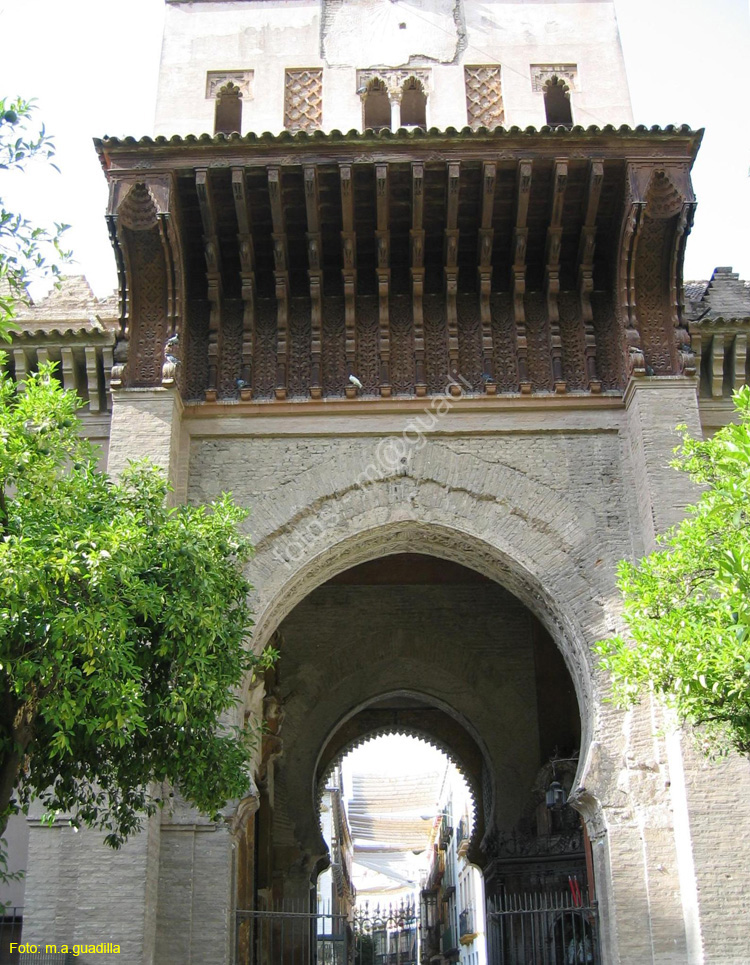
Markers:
486,239
382,240
518,281
281,275
247,280
149,260
686,363
315,274
552,271
450,260
213,278
417,238
635,363
664,194
349,272
586,249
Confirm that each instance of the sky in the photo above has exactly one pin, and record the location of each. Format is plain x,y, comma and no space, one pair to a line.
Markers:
93,70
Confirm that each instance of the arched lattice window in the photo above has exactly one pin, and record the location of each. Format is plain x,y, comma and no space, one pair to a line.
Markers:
228,117
557,103
377,106
413,104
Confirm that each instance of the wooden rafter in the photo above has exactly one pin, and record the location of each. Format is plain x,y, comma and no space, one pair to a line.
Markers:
586,249
315,274
383,269
486,239
281,276
213,277
552,271
518,281
451,269
349,270
417,238
247,278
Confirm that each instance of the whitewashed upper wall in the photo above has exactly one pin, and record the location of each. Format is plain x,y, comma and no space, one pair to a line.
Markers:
343,36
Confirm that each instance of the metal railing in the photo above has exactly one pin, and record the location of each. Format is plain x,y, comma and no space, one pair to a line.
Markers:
466,922
11,924
543,929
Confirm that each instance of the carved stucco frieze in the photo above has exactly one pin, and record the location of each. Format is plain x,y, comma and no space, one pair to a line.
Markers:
394,80
217,79
542,74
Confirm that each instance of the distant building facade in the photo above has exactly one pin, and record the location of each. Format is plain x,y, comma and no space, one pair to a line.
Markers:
442,363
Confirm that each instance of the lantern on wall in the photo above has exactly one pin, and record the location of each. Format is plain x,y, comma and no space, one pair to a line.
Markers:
556,796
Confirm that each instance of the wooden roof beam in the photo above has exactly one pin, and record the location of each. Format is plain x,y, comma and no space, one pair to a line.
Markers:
451,271
552,271
207,206
247,278
349,271
315,274
417,236
518,279
281,275
486,239
382,235
586,250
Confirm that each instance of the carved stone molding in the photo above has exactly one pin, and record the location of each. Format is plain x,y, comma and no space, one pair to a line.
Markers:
484,96
216,79
542,74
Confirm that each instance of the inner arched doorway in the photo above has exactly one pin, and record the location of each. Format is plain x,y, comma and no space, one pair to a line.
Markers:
421,644
398,815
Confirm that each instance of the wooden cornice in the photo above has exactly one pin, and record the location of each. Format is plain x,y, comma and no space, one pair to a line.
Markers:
357,147
521,236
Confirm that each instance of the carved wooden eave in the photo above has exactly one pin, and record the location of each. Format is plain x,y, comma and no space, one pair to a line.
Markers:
74,330
509,262
719,321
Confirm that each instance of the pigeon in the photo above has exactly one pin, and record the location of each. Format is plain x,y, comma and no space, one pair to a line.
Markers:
172,341
355,381
172,359
486,377
242,384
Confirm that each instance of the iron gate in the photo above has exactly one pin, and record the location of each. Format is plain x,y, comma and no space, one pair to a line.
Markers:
388,936
543,929
292,938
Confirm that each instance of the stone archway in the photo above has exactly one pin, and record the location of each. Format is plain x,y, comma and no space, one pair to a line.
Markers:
431,721
420,643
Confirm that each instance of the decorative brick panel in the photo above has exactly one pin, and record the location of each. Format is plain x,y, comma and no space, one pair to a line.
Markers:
303,99
484,96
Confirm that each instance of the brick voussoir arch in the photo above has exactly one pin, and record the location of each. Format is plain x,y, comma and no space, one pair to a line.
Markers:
527,554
